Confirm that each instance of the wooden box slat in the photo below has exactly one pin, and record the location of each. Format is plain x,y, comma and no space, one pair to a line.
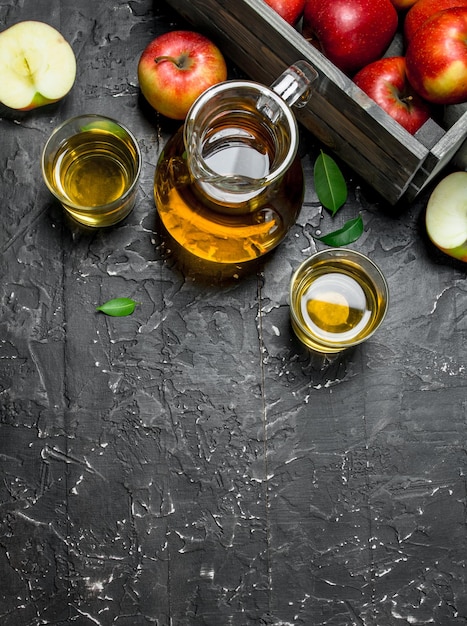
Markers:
395,163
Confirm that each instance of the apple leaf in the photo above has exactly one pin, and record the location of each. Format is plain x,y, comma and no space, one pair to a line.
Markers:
330,184
118,307
350,232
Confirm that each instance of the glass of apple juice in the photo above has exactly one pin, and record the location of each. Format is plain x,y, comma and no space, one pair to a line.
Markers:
92,165
338,298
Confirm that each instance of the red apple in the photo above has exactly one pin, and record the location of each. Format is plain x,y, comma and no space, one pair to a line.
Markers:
289,10
350,33
175,68
436,57
423,10
385,81
37,65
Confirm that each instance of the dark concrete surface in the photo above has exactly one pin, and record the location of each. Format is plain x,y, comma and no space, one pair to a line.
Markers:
191,464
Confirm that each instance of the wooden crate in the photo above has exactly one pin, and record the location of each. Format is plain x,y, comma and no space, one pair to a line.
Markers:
396,164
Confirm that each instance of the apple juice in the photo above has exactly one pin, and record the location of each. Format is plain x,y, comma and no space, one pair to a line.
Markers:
336,304
93,169
216,224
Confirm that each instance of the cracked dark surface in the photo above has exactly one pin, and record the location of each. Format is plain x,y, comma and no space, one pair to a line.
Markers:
192,464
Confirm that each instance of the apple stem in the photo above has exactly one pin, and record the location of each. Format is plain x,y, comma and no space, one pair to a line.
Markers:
179,62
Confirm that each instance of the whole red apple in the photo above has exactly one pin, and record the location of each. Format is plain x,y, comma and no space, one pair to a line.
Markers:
436,57
350,33
290,10
424,9
175,68
385,81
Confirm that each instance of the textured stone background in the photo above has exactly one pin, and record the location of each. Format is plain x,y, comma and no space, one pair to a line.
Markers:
192,464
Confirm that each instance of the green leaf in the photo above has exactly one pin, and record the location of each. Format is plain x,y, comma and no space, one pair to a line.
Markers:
350,232
330,184
118,307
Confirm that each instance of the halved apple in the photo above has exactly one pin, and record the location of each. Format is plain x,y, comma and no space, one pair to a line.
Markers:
37,65
446,215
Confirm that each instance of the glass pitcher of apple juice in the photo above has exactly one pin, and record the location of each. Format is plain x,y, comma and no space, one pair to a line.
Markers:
229,184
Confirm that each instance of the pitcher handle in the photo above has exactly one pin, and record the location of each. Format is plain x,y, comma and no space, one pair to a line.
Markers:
295,84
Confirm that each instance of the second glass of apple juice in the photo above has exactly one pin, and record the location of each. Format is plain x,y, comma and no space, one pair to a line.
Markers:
338,298
92,164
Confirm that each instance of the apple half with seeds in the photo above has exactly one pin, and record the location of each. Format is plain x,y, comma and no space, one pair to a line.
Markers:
37,65
446,215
